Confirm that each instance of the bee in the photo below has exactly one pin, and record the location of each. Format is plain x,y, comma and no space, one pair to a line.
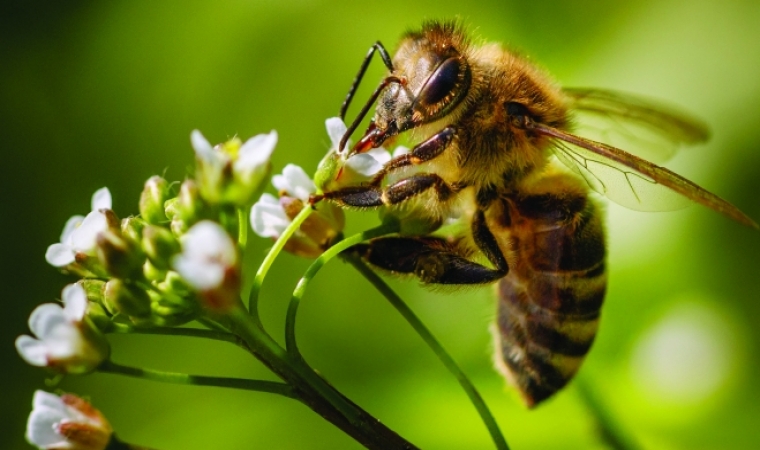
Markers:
496,134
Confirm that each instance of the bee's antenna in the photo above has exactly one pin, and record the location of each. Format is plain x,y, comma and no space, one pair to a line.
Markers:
377,46
351,128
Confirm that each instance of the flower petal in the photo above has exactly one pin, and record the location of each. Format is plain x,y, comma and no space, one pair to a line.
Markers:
201,276
41,429
335,129
364,164
256,151
201,146
295,182
101,199
72,224
84,238
45,318
208,240
60,255
268,218
46,399
33,351
74,301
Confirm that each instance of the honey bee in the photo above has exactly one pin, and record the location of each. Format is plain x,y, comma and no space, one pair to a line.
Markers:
494,132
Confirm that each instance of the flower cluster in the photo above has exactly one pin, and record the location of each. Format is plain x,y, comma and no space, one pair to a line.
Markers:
174,262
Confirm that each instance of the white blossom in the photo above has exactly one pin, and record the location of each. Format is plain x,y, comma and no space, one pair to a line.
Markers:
268,218
294,182
208,254
80,233
65,340
249,164
66,422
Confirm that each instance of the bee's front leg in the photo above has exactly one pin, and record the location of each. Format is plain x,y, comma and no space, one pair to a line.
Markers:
373,194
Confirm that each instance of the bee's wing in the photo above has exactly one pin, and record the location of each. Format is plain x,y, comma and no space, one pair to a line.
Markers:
649,130
629,180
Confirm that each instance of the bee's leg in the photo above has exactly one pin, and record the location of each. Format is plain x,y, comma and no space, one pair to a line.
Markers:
369,196
436,260
422,152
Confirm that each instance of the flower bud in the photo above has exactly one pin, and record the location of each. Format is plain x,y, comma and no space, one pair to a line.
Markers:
131,228
160,246
121,257
152,199
153,273
127,299
93,289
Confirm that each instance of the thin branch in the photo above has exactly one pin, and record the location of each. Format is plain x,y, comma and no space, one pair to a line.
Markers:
273,387
189,332
258,280
311,272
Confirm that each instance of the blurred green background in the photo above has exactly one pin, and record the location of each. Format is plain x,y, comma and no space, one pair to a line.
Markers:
106,93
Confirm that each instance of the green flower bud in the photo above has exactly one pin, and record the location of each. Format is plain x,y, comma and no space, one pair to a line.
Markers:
121,257
127,299
131,228
153,273
159,245
93,289
189,203
152,199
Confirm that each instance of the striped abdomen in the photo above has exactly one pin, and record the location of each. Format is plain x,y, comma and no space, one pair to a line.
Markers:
549,303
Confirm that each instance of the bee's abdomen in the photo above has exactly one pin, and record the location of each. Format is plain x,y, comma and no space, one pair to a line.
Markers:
549,303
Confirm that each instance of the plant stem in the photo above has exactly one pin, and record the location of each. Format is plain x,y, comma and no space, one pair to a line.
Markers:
242,228
191,332
440,352
273,387
290,321
606,427
258,280
313,390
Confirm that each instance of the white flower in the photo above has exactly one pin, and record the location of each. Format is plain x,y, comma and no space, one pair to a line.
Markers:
353,170
65,339
270,216
231,172
80,233
294,182
209,263
66,422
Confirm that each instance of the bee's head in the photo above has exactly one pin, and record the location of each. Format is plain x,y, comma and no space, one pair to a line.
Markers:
434,78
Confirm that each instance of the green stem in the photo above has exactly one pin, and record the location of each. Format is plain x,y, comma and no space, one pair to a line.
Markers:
190,332
253,297
440,352
311,272
273,387
605,424
242,228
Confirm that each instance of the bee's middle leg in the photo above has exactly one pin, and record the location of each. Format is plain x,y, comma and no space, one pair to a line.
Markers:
369,196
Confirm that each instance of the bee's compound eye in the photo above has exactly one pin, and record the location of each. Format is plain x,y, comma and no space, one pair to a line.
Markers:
441,82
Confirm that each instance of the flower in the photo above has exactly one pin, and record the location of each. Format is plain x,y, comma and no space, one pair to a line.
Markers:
338,170
209,263
66,422
80,233
231,172
270,215
65,339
